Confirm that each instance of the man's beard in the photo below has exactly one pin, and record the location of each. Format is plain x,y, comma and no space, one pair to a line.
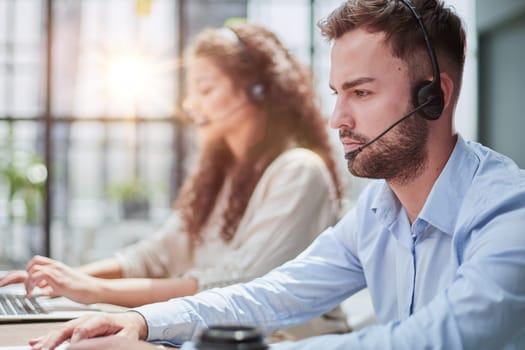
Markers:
397,157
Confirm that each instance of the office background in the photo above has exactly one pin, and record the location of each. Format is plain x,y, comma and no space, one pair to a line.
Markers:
89,96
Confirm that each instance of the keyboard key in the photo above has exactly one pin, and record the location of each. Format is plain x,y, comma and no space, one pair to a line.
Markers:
12,304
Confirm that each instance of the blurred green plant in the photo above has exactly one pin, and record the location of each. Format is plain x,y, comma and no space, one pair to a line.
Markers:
128,190
133,196
25,174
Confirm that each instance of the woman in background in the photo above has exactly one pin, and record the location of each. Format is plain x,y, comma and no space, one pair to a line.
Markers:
264,187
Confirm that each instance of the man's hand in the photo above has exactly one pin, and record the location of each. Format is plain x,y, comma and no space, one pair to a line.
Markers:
112,342
130,325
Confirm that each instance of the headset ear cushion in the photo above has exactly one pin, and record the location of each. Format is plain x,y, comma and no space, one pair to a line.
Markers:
430,91
256,93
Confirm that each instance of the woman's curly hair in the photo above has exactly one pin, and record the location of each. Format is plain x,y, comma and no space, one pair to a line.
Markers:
293,119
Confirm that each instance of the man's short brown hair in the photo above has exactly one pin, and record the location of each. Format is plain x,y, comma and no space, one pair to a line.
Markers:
403,34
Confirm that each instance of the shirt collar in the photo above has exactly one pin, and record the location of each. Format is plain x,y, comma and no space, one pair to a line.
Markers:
442,206
444,202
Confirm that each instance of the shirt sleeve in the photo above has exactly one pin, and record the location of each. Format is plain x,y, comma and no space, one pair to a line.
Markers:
293,202
162,255
304,288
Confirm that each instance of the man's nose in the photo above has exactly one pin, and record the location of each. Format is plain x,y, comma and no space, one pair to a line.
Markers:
341,116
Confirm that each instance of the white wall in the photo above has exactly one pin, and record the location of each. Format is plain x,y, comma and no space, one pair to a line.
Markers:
467,109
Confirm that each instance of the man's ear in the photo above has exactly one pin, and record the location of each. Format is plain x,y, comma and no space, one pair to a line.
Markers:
448,87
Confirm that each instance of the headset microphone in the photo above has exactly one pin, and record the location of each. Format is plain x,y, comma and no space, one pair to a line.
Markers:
230,112
350,155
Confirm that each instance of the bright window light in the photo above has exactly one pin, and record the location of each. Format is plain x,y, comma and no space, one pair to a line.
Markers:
129,76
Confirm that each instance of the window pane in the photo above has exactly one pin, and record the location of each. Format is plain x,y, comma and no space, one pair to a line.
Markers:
112,61
275,15
22,178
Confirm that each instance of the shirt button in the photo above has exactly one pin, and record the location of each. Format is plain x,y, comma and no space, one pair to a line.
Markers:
168,333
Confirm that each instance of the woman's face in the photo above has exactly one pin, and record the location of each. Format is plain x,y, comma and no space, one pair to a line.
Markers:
213,103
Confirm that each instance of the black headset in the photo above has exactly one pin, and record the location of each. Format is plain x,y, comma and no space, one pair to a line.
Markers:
254,91
429,91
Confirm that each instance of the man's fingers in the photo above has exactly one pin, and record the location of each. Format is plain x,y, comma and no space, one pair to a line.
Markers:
98,325
111,342
54,338
86,327
80,333
86,344
35,340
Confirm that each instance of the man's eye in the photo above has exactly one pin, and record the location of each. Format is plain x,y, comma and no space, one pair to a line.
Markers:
361,93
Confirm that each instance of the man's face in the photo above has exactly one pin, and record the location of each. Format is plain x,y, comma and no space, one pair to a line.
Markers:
373,92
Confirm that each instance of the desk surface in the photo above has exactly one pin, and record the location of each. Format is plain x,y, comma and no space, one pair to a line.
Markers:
12,334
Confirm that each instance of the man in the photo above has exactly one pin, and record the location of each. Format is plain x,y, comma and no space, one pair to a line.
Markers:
438,238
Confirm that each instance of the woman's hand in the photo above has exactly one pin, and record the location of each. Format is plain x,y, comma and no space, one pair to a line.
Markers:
13,277
128,325
58,279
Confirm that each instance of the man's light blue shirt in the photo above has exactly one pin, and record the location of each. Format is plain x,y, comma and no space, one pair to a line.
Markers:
454,279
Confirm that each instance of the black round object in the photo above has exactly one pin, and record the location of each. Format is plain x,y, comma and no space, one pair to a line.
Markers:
231,338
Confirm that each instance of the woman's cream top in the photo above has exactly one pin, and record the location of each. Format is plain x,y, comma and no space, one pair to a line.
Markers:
292,203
